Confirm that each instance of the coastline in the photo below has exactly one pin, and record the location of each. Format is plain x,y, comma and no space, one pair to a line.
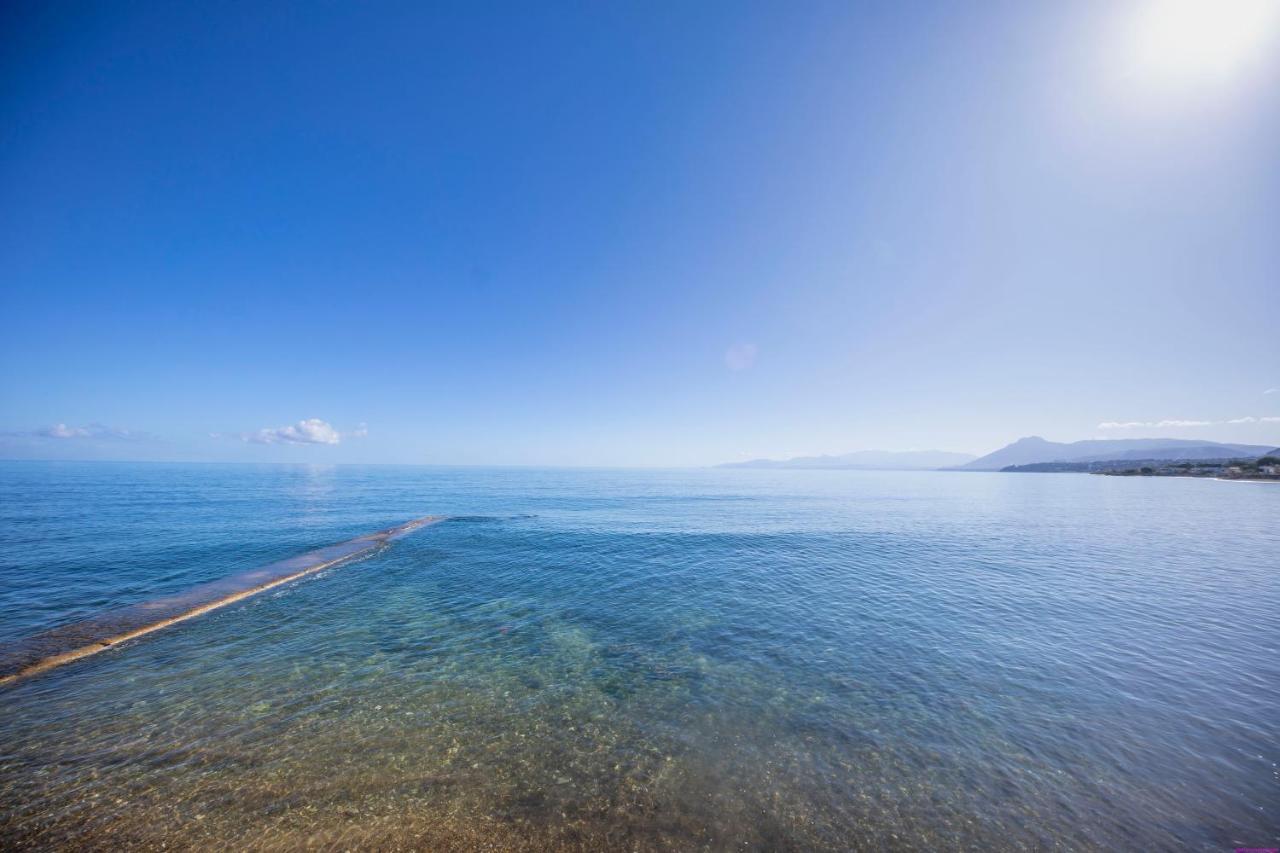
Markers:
1241,479
57,646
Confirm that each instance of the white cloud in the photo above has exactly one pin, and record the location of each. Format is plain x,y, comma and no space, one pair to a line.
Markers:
741,356
1248,419
1272,391
95,431
63,431
1152,424
309,431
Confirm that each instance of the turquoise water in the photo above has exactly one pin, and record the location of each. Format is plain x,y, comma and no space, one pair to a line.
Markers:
679,659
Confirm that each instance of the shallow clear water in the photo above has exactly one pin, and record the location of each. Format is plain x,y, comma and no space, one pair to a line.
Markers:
650,659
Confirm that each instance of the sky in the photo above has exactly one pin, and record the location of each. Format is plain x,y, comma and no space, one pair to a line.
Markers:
634,233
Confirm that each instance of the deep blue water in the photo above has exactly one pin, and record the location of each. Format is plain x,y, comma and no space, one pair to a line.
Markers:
787,659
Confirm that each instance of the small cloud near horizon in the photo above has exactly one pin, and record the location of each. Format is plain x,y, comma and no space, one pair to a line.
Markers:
1272,391
740,356
1152,424
309,431
1248,419
97,431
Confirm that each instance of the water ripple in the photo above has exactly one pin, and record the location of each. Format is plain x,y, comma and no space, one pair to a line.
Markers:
775,660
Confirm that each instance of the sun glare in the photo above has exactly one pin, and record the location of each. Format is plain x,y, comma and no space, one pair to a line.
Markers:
1180,44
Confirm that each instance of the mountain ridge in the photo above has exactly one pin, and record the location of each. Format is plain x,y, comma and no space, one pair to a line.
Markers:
1034,449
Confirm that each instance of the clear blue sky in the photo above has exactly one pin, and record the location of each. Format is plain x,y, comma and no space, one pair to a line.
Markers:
646,233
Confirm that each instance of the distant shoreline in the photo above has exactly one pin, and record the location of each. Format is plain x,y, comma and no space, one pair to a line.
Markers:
1236,479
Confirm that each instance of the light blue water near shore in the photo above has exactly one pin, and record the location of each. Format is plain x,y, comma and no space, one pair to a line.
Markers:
650,659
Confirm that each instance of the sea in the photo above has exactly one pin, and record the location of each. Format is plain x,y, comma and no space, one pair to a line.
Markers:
591,659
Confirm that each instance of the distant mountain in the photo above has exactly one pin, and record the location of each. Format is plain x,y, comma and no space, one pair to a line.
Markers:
1182,454
869,460
1034,449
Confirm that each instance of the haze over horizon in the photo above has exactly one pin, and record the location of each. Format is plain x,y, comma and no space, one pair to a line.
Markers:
635,235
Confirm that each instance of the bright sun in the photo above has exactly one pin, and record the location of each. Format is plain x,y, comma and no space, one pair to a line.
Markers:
1184,43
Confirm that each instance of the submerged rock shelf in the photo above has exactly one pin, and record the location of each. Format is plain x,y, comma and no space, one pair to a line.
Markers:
67,643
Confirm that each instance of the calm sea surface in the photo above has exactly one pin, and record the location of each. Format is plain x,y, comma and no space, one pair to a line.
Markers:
624,659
